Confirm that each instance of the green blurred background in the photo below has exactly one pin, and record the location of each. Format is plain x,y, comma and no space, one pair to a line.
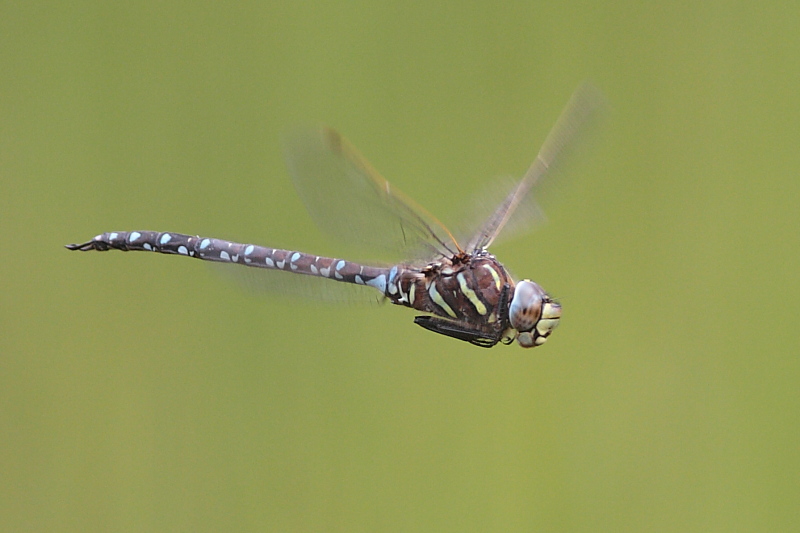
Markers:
145,393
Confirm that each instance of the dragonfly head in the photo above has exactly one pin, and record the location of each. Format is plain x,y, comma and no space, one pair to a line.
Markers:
533,314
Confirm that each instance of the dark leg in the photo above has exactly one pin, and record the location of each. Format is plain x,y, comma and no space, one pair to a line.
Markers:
457,330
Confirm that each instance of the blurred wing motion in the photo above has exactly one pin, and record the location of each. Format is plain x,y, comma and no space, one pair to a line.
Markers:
464,293
348,199
582,108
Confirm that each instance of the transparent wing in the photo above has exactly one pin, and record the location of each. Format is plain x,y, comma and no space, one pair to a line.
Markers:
485,202
292,286
348,199
518,209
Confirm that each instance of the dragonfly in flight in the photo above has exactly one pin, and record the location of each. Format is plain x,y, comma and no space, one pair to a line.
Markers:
462,289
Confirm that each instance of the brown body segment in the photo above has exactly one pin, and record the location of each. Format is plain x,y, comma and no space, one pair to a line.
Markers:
466,288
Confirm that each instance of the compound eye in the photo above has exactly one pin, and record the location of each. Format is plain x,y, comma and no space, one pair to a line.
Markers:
526,306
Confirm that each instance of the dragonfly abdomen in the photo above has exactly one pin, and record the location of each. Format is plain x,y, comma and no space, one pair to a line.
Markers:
222,251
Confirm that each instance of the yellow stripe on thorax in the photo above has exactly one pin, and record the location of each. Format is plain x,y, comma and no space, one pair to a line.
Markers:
495,275
470,294
438,300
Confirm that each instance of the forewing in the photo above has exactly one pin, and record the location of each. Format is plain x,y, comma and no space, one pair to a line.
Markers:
348,199
518,208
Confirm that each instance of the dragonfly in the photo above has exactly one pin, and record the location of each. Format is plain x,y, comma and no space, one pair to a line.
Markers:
463,291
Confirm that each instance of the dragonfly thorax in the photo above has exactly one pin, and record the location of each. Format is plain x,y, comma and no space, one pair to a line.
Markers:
473,298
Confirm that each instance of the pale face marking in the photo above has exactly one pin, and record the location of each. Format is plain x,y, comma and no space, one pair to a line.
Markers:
314,269
269,262
295,257
325,272
147,247
235,258
546,325
205,244
281,264
249,249
224,256
134,236
182,250
112,236
411,293
165,239
359,280
525,339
